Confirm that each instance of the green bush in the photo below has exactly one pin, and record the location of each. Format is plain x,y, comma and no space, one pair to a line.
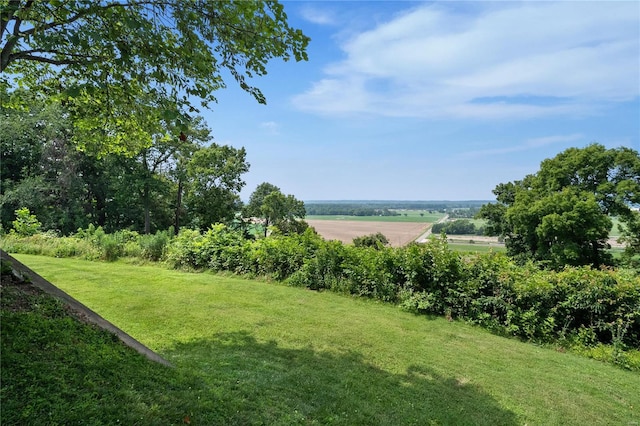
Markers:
224,249
542,305
324,270
111,248
183,250
418,302
605,301
430,268
26,224
49,244
377,241
372,272
152,247
281,256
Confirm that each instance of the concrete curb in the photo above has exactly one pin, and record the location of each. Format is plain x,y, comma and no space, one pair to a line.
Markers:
24,272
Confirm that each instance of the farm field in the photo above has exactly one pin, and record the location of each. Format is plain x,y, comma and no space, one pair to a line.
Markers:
401,230
259,353
398,233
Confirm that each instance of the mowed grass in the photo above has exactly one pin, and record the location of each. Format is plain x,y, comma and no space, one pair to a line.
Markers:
260,353
476,247
405,216
615,231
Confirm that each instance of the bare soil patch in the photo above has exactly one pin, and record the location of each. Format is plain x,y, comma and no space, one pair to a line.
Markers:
398,233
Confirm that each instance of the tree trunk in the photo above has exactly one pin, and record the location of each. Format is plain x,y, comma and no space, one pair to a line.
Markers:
176,223
147,213
101,208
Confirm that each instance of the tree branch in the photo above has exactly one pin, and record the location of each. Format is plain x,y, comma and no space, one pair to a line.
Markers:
7,13
92,9
5,55
67,58
44,59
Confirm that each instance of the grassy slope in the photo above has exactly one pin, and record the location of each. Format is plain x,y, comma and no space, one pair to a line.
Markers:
57,370
262,353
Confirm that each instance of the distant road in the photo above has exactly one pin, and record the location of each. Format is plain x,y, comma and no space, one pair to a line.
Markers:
425,235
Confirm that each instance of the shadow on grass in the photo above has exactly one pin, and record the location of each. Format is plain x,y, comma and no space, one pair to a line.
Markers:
252,382
55,369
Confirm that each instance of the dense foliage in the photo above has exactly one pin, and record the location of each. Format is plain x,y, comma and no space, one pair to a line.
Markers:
561,215
597,311
457,227
124,69
178,181
377,240
273,208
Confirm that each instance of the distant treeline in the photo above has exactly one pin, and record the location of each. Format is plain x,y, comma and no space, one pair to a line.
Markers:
457,227
466,212
347,210
385,208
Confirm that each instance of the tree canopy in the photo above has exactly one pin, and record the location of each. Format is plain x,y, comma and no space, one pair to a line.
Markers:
561,215
191,182
125,67
284,212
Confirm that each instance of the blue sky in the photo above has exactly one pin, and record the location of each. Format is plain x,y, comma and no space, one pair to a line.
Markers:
436,101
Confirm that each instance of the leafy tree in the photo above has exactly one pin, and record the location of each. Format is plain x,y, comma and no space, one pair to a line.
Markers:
122,66
377,241
256,200
282,211
560,215
41,169
159,162
68,189
214,182
21,138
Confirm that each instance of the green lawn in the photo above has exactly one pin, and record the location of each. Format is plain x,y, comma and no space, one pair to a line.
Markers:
476,247
259,353
615,232
411,216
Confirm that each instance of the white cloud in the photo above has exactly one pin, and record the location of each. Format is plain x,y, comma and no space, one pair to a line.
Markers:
318,16
527,145
508,60
271,127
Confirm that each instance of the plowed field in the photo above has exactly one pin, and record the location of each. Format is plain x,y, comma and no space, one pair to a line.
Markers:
398,233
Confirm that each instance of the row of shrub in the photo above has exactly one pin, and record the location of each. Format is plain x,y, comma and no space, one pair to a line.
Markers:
580,306
90,244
